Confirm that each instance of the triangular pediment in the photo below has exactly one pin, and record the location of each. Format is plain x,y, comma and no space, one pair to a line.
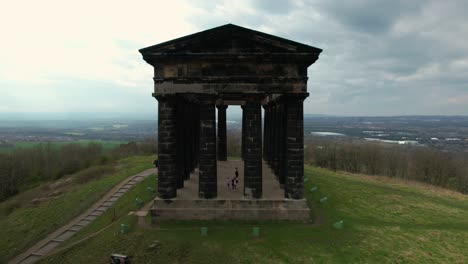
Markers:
229,39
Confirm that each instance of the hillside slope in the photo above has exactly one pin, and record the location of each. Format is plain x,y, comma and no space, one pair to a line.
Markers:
31,215
385,221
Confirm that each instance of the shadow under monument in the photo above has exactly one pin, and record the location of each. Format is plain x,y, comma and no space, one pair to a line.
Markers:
231,204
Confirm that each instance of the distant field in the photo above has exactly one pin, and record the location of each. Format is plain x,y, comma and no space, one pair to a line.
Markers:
106,144
385,221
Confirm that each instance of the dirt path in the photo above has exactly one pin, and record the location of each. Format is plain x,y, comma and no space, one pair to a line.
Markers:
56,238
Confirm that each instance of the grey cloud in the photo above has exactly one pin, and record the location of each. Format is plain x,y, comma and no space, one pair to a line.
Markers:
277,7
375,52
370,16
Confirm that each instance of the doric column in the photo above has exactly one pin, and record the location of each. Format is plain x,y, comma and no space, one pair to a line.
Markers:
180,143
243,133
207,160
275,147
269,140
282,142
265,132
222,133
196,135
167,174
253,150
187,139
294,185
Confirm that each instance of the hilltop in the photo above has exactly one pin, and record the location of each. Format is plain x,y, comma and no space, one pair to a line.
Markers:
385,220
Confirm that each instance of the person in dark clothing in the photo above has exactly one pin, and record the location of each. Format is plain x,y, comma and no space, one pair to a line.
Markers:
235,180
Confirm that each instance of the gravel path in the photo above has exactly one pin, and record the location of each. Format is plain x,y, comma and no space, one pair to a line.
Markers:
56,238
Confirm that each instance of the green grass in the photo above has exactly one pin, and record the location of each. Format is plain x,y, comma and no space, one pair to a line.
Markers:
106,144
385,221
26,225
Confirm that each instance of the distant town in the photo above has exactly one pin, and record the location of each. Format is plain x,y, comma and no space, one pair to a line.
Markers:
447,133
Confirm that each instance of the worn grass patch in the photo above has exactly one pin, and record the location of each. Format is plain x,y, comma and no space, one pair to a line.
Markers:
383,223
28,222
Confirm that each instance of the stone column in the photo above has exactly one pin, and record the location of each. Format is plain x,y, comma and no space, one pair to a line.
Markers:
272,135
196,136
207,159
294,184
187,134
167,174
180,142
253,150
265,132
222,133
275,146
243,133
282,143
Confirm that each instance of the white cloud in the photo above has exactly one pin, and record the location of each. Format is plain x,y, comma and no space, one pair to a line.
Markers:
45,40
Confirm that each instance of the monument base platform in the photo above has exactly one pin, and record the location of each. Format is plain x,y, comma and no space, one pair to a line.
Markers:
220,209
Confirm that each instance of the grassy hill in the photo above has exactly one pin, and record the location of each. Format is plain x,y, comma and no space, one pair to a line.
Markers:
106,144
29,216
385,220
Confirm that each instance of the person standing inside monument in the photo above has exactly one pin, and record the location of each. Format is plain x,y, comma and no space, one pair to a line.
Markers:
235,180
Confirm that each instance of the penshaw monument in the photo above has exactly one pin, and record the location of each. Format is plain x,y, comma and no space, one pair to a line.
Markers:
199,74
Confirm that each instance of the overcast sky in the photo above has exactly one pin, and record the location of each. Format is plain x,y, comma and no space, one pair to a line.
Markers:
379,58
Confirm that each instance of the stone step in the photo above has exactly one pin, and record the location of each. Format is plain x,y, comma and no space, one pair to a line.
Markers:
229,214
231,204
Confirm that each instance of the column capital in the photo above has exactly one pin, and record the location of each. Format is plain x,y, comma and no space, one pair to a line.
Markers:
254,98
164,97
221,107
207,98
295,97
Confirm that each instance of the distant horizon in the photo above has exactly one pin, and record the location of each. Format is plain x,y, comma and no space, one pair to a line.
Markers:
57,116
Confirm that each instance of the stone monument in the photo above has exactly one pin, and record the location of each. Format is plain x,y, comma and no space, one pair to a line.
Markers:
230,65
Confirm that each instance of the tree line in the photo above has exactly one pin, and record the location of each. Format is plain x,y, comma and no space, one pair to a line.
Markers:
23,168
27,167
445,169
440,168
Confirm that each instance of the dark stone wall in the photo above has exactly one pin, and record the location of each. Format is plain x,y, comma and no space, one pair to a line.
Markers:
167,174
253,149
227,68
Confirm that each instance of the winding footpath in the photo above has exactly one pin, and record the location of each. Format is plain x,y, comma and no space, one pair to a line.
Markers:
58,237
